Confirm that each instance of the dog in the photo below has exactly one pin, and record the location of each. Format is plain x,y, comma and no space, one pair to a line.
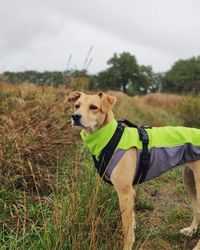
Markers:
92,113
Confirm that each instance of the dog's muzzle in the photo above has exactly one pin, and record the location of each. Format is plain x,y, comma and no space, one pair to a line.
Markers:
76,117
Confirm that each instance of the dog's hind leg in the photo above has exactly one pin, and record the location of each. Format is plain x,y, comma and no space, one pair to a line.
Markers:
191,177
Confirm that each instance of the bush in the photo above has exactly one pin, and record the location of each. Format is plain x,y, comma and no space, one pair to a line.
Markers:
190,111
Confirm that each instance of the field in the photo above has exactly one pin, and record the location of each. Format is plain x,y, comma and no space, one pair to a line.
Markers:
50,196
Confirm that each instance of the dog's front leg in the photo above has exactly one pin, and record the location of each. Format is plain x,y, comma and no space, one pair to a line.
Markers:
122,179
126,201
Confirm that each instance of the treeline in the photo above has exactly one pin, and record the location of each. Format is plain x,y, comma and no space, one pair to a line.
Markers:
54,77
123,73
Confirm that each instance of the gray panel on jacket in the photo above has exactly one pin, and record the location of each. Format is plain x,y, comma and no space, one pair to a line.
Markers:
162,159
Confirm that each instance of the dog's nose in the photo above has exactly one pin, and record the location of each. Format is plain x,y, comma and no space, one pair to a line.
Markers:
76,117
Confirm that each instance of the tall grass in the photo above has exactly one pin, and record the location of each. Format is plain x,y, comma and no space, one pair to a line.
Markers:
50,196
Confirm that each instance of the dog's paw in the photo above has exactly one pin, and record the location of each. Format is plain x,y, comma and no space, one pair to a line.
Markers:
188,231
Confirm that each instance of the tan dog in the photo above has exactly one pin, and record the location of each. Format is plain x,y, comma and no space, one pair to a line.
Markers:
95,111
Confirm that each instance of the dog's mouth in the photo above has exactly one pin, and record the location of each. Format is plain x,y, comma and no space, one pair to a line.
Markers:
77,124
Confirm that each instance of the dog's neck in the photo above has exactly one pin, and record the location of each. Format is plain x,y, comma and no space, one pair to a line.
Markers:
108,117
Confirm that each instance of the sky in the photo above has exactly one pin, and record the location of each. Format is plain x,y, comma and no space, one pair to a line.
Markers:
84,34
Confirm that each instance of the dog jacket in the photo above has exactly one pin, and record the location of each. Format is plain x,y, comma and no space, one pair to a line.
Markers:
168,146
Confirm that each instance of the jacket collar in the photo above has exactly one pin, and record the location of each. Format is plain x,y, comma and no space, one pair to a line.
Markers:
97,140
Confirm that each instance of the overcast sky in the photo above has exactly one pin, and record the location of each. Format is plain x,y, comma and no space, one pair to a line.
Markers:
42,34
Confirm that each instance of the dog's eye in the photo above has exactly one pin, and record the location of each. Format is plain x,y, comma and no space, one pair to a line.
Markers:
93,107
77,106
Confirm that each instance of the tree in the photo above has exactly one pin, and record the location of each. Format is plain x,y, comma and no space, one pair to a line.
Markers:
125,69
122,72
148,80
125,74
108,79
183,77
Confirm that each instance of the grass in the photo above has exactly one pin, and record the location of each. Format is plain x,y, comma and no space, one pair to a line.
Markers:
50,196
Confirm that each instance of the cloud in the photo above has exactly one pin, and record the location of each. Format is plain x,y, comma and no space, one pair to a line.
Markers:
43,34
167,26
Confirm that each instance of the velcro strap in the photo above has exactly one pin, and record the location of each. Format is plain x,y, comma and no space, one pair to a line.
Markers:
144,157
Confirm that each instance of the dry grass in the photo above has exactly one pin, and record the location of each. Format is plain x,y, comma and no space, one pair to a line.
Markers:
33,130
153,109
169,102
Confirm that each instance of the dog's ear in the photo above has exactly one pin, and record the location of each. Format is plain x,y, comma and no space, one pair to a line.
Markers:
73,97
108,101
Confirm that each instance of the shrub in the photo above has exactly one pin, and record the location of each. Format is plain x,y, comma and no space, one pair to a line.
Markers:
190,111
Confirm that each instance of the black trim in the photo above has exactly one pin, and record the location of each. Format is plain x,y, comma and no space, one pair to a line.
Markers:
108,151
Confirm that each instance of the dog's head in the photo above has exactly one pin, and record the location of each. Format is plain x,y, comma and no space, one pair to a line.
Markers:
90,111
